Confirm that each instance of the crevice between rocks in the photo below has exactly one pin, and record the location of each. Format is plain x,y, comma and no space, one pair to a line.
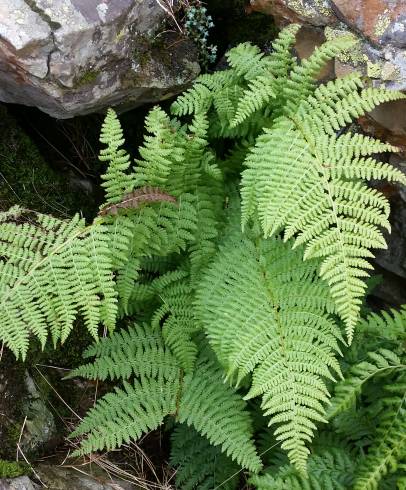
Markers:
44,16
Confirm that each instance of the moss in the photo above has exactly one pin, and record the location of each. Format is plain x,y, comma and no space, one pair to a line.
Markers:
26,179
13,469
87,78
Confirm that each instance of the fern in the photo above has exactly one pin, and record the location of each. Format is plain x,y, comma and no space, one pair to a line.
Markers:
296,181
138,351
332,469
382,361
265,312
227,324
117,181
161,390
389,445
52,270
200,465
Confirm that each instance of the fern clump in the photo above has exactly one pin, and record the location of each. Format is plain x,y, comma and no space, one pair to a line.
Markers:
230,258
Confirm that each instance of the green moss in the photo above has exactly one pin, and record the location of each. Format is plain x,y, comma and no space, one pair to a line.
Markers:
87,78
13,469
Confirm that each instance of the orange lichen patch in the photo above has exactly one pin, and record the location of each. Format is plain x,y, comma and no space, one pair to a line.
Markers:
371,17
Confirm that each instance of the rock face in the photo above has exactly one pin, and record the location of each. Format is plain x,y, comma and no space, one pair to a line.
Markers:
379,25
72,57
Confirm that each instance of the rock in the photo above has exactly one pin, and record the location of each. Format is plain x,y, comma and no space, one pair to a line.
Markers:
40,429
20,483
314,12
20,400
72,57
381,21
63,478
378,25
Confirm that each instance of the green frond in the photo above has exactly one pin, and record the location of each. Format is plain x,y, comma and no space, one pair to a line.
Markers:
217,412
138,351
245,59
297,181
389,444
199,464
302,78
270,81
115,181
175,317
197,99
280,60
126,414
385,325
52,271
330,469
381,362
259,92
266,313
161,151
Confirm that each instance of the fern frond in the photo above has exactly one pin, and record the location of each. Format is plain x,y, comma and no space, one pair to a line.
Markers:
52,270
162,149
216,411
199,464
295,180
115,181
138,351
127,414
259,92
245,59
331,469
302,78
196,100
382,361
266,312
176,316
389,444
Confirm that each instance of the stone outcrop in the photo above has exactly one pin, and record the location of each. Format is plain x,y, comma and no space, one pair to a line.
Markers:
73,57
379,25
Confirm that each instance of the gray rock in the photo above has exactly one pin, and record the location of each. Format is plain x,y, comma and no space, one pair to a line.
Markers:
379,27
20,483
40,426
20,400
71,57
63,478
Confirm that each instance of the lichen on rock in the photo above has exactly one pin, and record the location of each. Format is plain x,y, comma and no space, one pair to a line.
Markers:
71,57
